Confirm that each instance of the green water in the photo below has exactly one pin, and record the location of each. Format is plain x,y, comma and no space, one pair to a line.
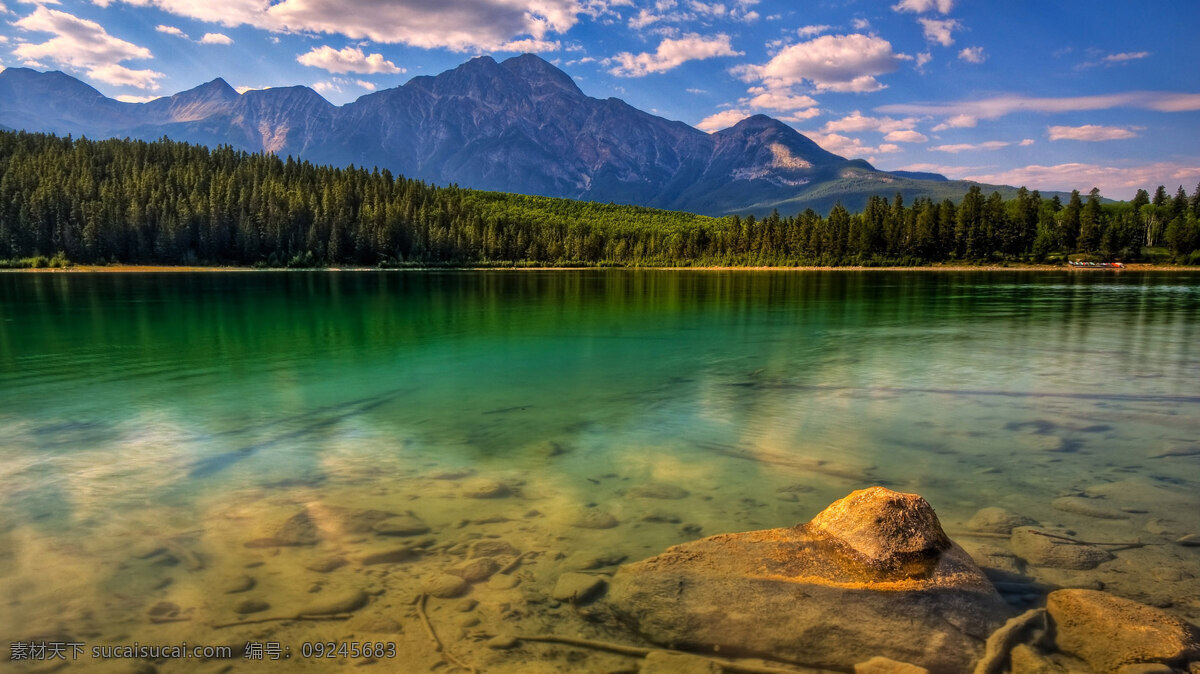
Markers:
153,424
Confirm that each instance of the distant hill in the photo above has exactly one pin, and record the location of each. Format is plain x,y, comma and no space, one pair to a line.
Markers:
520,125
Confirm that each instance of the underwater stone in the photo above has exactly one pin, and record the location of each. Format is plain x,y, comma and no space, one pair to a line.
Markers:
997,521
661,662
880,665
578,588
873,573
1038,549
1108,632
401,525
485,488
593,518
659,490
347,601
444,586
326,564
1078,505
251,606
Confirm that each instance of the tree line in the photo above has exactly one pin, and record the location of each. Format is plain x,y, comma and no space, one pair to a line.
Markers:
172,203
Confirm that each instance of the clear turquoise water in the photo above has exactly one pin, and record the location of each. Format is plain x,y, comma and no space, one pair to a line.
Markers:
204,409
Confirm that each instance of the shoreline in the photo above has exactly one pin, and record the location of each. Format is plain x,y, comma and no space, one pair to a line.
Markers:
142,269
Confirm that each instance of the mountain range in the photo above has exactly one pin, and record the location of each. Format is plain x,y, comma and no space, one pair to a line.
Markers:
520,125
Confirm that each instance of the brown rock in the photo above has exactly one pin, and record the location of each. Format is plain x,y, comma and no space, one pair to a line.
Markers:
881,665
1108,632
251,606
445,586
326,564
997,521
1038,549
1145,669
483,487
594,518
492,548
476,570
1189,541
348,601
660,662
1026,660
872,574
1087,507
390,556
578,588
401,525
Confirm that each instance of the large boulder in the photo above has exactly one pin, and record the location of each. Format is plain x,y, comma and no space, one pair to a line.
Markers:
872,574
1108,632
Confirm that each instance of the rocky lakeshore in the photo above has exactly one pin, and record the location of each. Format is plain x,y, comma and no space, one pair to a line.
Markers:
872,584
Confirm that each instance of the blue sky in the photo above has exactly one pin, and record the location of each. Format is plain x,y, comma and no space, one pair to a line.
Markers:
1051,95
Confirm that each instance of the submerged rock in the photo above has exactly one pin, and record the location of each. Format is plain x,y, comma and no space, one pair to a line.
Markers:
347,601
482,487
1050,549
997,521
661,662
872,573
878,665
658,490
1078,505
407,524
578,588
1108,632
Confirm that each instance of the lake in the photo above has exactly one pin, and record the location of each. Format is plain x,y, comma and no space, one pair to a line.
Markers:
182,452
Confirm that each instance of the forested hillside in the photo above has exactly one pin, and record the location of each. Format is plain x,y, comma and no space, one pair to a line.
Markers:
174,203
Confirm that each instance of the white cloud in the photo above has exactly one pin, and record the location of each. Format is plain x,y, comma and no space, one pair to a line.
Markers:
860,24
939,30
347,60
458,25
849,147
1126,56
766,99
671,53
1026,143
922,6
369,86
1090,132
831,63
244,88
922,59
906,137
965,147
126,98
216,38
171,30
972,55
693,90
644,18
957,122
722,120
809,31
84,44
1118,182
857,122
337,85
993,108
530,46
715,9
926,167
800,115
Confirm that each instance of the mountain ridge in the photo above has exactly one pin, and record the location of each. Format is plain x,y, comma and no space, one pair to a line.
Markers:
520,125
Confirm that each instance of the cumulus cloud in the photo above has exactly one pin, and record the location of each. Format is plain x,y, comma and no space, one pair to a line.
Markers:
972,55
809,31
849,147
531,46
923,58
957,122
965,147
766,99
907,136
86,45
171,30
922,6
671,53
1090,132
722,120
1118,182
459,25
1026,143
993,108
845,63
216,38
860,24
940,30
337,85
347,60
856,122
